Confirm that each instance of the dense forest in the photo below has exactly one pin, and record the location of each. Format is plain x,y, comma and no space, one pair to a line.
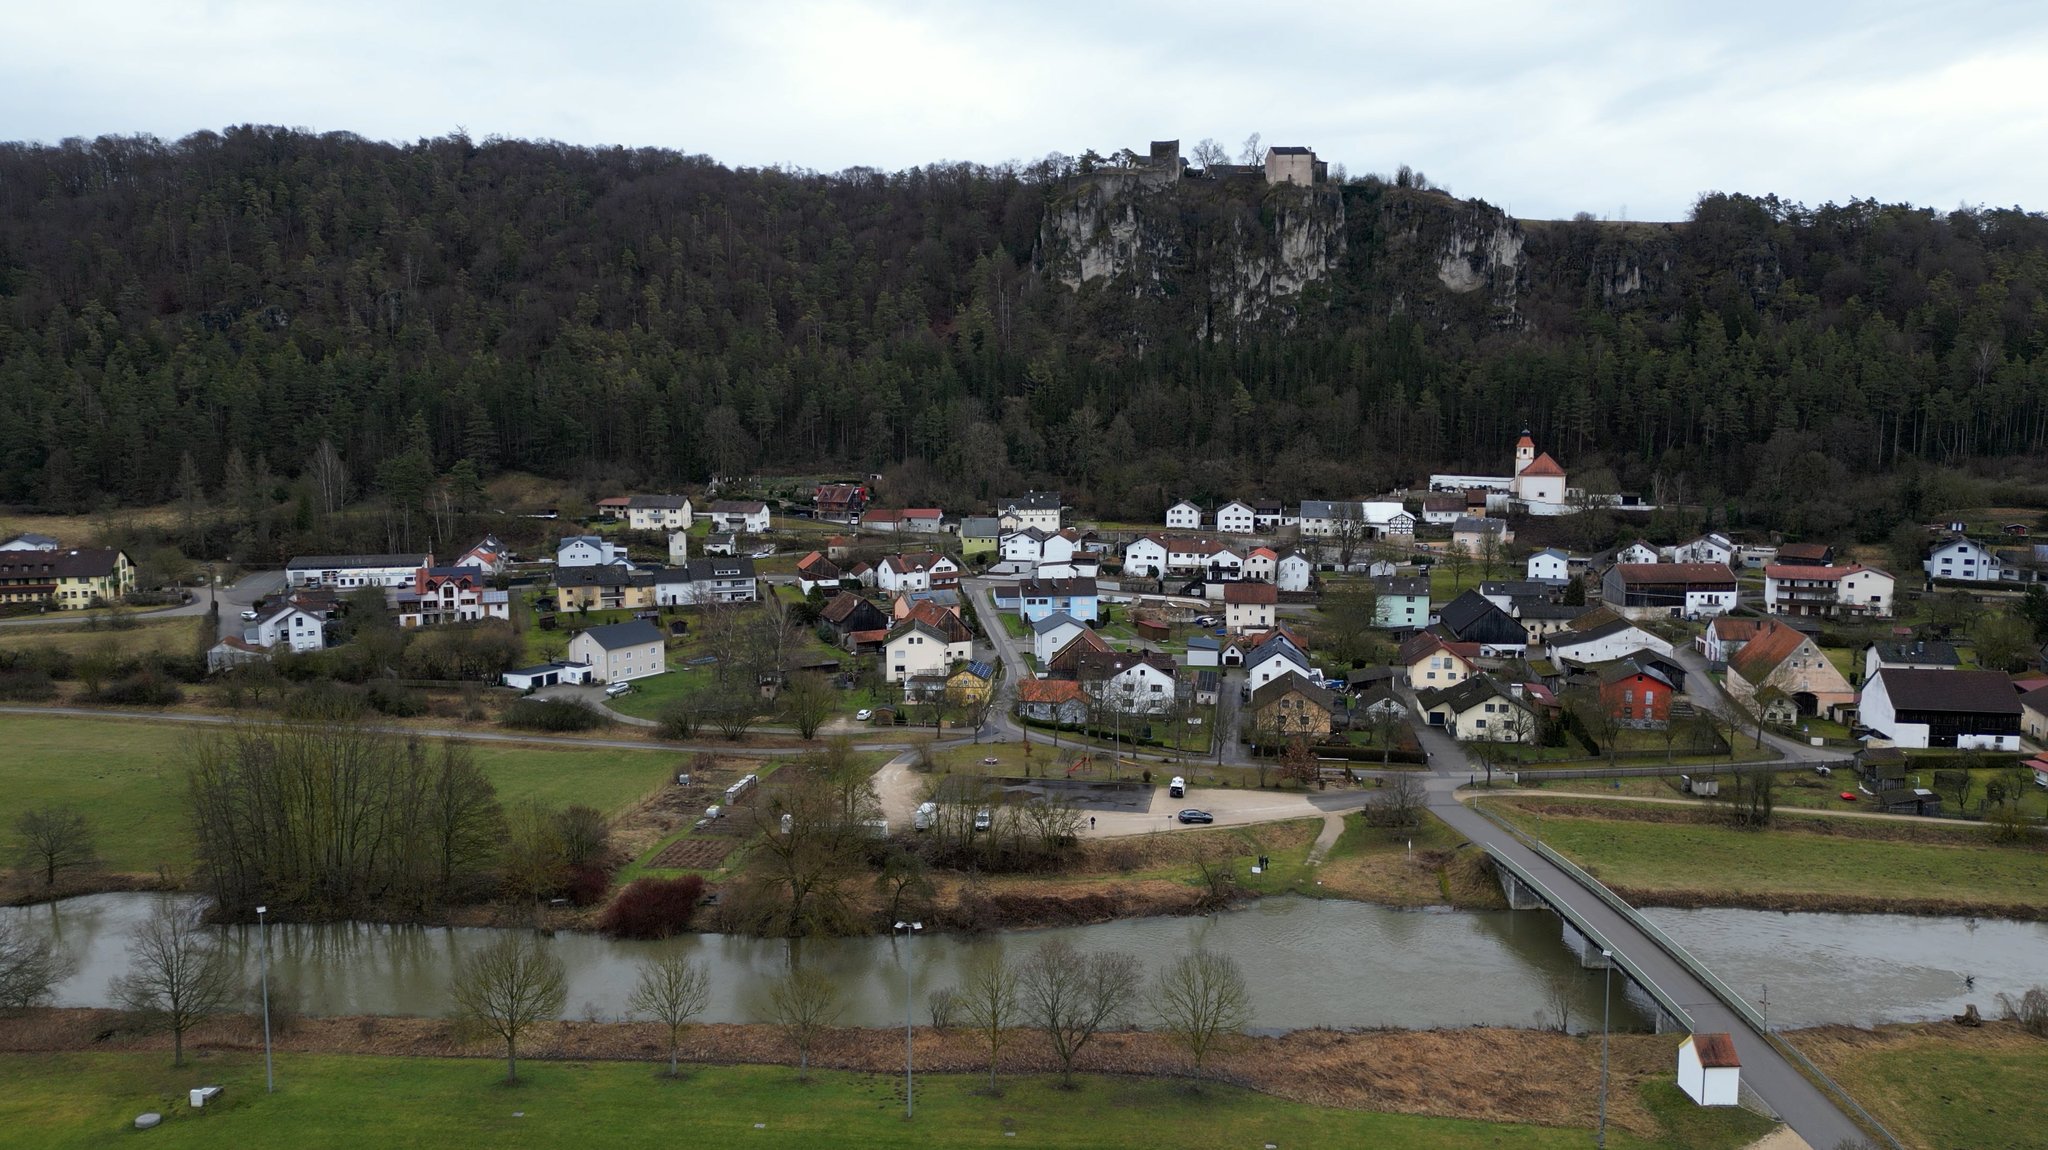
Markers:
322,314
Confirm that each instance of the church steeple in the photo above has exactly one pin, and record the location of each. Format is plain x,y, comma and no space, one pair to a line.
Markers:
1525,452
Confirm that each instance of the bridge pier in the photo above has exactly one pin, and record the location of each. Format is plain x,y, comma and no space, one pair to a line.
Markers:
1587,952
1518,893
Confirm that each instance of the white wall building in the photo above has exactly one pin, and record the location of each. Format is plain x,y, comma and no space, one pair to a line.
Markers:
1292,573
590,551
620,652
1234,518
658,513
297,629
1184,516
1709,1071
1964,559
346,572
1549,566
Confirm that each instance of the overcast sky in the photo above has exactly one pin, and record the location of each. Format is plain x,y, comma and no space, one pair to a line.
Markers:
1545,108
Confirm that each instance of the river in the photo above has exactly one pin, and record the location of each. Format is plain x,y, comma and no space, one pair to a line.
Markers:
1309,963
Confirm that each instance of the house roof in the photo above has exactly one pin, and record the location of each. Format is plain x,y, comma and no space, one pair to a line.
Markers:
920,626
1050,691
1600,630
1268,552
1469,693
1543,465
1554,553
1618,669
1276,647
717,567
1094,666
982,671
1423,644
1973,692
1533,588
338,562
1760,656
1934,652
738,507
1031,501
1051,587
1472,616
1468,524
1454,502
1730,629
913,561
615,501
981,527
1404,585
842,606
1808,553
1054,622
1668,574
1807,571
1254,593
658,502
816,565
1190,544
81,563
613,636
1715,1051
1078,646
1293,684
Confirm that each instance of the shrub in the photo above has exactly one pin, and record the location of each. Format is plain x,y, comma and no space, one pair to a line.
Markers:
677,722
2030,1010
552,715
587,885
147,689
324,701
653,907
396,700
26,685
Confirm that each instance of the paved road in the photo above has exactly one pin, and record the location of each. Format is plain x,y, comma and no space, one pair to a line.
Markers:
1801,1104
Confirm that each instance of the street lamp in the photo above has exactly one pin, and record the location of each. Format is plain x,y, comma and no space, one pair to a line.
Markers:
1606,1005
263,936
909,930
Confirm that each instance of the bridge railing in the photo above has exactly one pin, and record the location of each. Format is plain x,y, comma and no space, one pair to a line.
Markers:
1685,958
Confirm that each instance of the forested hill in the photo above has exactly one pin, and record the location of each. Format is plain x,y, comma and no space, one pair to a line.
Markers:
655,318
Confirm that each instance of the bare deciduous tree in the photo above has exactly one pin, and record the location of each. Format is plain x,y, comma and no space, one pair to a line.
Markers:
329,477
808,703
672,991
1559,992
508,988
988,1000
804,1003
52,839
31,965
1201,1000
1071,997
177,974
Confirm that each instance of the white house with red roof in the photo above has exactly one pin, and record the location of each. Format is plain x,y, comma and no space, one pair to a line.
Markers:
1795,589
1261,563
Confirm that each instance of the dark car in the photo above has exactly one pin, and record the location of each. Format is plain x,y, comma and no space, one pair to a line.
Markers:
1191,815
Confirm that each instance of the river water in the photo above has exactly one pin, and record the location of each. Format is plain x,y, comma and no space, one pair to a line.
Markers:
1309,963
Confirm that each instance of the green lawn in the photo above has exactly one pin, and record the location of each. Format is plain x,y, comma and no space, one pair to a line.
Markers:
1015,625
128,778
1932,1094
1653,856
350,1101
177,636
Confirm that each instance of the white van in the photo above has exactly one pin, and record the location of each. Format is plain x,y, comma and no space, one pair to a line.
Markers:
1177,789
927,814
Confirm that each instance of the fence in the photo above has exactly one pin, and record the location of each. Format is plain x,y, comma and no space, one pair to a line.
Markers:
1668,770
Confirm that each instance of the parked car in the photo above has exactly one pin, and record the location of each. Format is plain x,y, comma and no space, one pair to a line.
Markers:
925,816
251,615
863,715
1848,796
1191,815
984,819
614,690
1177,789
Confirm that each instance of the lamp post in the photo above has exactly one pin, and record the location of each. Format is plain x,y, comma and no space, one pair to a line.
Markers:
1606,1005
909,930
263,937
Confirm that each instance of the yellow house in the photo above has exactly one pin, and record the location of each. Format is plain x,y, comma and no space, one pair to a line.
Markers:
971,684
603,589
68,580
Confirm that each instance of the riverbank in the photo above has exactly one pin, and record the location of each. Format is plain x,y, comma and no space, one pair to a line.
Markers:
1939,1084
1660,855
1490,1087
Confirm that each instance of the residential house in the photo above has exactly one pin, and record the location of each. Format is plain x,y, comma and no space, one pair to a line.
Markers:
1129,682
620,652
727,545
1961,709
1403,601
1827,591
1036,547
1805,554
589,551
917,571
2034,722
1291,707
1388,519
1066,662
1791,662
919,520
712,579
1199,686
603,589
30,541
1293,573
1433,661
917,647
1709,548
545,675
658,513
1184,515
1549,566
1040,598
1270,515
1249,605
441,595
815,570
1480,709
1601,635
1910,655
291,627
488,556
980,535
1235,518
1204,651
1964,560
1478,535
1678,590
1040,509
1441,509
614,507
846,613
347,572
1472,618
1353,519
739,516
1502,593
1196,556
1276,658
1263,563
1637,552
68,580
234,651
1635,695
840,502
1542,618
1060,701
971,684
1724,636
1051,632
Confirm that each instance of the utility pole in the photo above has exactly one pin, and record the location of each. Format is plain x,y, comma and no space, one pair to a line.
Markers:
1606,1006
263,936
909,930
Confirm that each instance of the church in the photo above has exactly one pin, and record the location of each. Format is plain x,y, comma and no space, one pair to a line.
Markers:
1537,486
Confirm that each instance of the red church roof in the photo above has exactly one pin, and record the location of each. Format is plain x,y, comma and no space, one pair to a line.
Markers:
1544,465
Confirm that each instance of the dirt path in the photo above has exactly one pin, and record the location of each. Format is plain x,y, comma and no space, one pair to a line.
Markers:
1783,1138
1694,804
